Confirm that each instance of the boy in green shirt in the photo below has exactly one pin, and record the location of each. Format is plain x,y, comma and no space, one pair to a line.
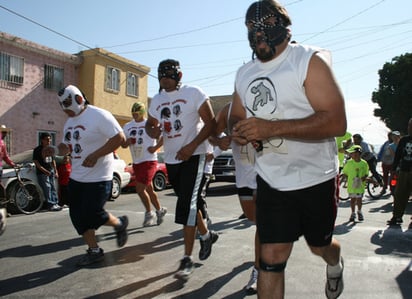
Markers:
356,170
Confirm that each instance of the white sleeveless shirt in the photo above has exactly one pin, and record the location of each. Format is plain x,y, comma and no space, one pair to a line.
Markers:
274,90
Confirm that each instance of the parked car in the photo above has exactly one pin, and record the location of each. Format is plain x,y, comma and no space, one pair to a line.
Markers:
121,177
224,167
160,179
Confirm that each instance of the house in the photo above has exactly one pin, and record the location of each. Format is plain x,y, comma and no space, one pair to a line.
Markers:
32,74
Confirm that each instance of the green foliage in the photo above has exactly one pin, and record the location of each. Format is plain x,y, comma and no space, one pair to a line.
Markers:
394,95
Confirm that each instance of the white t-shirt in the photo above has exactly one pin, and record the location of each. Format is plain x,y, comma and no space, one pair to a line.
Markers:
86,133
178,115
139,150
274,90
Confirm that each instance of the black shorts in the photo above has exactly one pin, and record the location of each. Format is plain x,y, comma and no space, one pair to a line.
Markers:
284,216
87,202
187,179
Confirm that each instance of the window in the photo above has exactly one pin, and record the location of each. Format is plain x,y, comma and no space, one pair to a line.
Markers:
112,79
132,85
11,68
53,77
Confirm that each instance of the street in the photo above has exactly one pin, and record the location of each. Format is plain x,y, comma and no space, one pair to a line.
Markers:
38,254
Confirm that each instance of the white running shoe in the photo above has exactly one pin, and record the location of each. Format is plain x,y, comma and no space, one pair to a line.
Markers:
149,218
251,286
160,215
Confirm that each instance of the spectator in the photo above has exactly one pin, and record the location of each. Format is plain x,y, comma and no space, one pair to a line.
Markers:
356,170
44,159
343,143
386,158
369,156
143,149
91,134
185,117
402,164
64,170
4,155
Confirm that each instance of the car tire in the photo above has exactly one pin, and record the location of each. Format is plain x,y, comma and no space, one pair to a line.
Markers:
116,187
159,181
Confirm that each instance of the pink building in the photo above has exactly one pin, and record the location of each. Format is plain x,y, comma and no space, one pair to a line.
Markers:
30,77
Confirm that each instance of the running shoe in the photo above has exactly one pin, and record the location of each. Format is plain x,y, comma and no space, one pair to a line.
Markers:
352,217
121,232
160,215
149,218
334,284
185,269
206,245
360,216
91,258
251,287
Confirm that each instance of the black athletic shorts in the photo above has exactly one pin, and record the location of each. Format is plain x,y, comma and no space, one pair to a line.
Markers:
284,216
86,204
187,179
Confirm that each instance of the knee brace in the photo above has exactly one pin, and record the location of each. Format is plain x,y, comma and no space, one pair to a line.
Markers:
272,268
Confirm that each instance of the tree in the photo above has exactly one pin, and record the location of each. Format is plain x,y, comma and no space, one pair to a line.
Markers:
394,95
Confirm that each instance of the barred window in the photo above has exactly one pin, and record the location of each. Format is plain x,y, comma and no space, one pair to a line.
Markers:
11,68
132,85
53,77
112,79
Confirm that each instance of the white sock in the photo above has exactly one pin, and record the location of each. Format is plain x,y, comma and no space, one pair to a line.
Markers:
205,236
335,270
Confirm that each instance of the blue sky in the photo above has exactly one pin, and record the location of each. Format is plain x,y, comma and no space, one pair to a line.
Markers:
209,38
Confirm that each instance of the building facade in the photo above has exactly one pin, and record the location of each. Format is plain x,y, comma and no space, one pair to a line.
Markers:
32,74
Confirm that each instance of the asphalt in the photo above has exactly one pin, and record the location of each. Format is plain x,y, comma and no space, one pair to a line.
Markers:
38,255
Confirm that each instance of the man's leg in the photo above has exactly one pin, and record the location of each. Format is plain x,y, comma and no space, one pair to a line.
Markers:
271,280
189,238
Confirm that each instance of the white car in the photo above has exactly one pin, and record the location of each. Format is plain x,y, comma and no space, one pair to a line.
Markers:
120,176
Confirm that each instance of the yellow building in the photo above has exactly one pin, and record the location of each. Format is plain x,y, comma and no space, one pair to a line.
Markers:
113,83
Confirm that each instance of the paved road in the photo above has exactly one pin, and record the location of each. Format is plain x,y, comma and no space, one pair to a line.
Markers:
38,255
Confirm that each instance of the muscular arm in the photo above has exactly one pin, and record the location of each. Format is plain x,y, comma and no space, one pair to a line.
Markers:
328,119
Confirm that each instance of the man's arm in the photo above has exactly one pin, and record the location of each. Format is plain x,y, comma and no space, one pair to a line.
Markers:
153,128
325,97
111,145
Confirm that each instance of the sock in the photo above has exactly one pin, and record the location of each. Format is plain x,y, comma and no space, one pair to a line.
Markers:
95,250
205,236
120,223
335,270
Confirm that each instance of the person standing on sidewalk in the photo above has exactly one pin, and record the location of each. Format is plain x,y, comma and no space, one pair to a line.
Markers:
288,105
143,149
4,156
184,115
90,135
356,170
402,164
46,170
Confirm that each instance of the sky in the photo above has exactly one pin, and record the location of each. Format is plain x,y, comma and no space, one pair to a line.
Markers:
210,40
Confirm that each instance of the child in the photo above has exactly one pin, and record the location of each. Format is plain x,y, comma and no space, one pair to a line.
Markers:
64,170
356,170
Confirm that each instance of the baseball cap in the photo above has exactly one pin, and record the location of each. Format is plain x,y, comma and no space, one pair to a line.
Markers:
138,107
354,148
397,133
